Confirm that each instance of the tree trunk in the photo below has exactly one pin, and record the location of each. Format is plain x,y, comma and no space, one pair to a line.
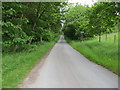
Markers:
99,37
15,48
114,38
38,17
30,41
41,39
34,26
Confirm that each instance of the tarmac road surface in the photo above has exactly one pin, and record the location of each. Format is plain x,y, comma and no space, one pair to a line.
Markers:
64,67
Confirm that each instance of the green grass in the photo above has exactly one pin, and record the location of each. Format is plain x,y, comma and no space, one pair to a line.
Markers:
16,66
104,53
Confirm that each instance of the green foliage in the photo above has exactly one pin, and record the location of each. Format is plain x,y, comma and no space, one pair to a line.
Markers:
48,35
70,30
27,23
16,66
103,17
95,20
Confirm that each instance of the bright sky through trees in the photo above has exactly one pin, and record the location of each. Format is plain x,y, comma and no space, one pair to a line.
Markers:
83,2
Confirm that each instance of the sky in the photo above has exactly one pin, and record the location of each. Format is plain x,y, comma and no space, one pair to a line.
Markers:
83,2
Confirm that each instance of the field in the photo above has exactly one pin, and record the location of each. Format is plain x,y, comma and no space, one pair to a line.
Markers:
17,66
104,53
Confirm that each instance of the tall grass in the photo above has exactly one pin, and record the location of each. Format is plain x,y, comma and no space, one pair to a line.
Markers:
104,53
16,66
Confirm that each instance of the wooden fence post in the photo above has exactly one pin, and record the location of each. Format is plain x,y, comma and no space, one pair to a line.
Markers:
114,38
106,36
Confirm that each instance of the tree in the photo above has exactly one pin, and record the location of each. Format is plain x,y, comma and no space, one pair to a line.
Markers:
95,20
28,22
103,17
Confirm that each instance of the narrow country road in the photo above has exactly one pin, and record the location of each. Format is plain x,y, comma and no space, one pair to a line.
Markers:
64,67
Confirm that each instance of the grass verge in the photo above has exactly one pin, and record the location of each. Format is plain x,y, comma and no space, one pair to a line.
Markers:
16,66
104,53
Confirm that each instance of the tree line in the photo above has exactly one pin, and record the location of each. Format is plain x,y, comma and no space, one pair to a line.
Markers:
26,23
87,22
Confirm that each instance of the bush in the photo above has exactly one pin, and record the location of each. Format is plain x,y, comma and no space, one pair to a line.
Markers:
47,35
70,31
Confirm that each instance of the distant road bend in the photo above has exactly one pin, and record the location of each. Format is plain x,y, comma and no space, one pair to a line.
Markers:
64,67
